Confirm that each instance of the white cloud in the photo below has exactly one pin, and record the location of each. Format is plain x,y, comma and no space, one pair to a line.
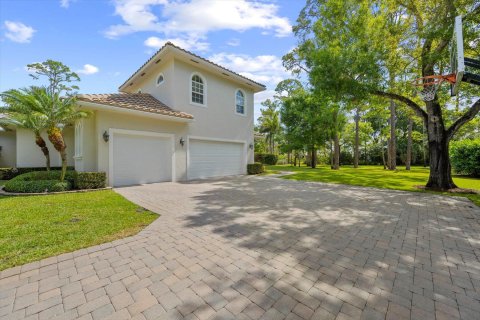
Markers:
266,69
196,44
234,42
88,69
19,32
196,18
66,3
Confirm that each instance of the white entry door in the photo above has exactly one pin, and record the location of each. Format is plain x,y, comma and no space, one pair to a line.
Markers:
215,159
139,158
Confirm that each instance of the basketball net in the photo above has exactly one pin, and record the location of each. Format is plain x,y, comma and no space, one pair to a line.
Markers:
427,87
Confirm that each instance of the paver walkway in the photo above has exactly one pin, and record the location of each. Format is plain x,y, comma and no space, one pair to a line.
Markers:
260,247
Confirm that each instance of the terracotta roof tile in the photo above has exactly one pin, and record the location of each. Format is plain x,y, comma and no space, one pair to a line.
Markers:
192,54
134,101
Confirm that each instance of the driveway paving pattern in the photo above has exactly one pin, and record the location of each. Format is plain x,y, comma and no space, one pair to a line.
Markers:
266,248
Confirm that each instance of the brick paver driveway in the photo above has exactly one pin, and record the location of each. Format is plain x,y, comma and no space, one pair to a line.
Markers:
253,247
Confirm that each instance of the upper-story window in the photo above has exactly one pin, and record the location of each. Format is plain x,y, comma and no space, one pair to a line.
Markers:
160,79
198,89
240,102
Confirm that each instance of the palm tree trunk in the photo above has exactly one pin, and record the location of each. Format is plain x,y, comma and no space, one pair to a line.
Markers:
41,143
56,138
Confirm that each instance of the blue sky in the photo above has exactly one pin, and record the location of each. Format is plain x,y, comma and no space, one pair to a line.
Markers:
106,41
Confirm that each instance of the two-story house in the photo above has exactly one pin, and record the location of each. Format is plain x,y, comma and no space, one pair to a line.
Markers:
178,117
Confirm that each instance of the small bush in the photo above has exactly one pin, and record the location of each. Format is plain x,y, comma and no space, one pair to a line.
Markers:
266,158
255,168
10,173
36,186
465,157
90,180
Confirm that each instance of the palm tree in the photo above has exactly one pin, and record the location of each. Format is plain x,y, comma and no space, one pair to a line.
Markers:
19,113
59,112
269,123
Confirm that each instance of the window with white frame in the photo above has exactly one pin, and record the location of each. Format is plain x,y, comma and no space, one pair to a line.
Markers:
198,93
240,102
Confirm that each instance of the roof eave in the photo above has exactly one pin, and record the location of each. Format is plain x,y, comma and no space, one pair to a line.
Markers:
256,87
106,107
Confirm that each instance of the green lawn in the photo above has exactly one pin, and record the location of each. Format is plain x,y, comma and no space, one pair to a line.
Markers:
2,182
374,176
36,227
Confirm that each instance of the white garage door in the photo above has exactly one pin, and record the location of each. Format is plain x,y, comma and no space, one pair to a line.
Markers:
139,159
215,159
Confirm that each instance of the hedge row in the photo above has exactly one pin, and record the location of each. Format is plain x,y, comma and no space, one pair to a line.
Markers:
255,168
266,158
465,157
10,173
48,181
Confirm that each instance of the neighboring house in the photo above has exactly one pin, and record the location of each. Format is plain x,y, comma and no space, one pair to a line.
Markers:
179,117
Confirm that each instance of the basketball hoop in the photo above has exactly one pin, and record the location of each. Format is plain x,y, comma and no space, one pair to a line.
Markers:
428,86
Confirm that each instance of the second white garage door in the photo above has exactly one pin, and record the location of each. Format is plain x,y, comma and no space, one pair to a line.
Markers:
215,159
141,158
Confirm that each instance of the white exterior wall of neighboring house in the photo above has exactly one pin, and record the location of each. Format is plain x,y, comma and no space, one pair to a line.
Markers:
30,155
106,120
8,153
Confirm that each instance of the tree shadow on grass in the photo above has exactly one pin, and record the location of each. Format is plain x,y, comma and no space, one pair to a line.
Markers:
326,245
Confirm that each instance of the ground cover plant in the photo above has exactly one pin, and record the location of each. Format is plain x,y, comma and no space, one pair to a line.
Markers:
36,227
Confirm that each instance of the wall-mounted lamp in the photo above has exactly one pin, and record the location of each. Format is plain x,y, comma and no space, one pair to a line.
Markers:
182,141
106,136
250,146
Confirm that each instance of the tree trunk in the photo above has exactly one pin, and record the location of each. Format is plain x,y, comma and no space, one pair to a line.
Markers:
41,143
423,148
383,155
392,147
313,159
357,139
55,136
331,154
408,160
365,151
336,152
440,170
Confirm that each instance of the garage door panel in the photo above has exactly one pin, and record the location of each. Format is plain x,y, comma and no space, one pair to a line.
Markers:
139,159
214,159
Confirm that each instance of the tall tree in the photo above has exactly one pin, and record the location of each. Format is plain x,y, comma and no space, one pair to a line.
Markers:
57,102
269,123
347,47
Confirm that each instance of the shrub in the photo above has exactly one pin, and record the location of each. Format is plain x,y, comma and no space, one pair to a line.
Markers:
465,157
90,180
36,186
10,173
266,158
255,168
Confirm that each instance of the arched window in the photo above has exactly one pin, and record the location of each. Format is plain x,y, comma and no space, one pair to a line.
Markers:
240,102
160,79
198,94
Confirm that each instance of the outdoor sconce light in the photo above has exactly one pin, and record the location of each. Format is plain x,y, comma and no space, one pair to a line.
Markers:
106,136
182,141
251,146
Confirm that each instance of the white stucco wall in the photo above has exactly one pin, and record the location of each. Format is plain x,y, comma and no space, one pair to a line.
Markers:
218,119
106,120
30,155
9,146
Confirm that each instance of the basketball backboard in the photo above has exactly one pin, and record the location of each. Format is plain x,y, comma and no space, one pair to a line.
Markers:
457,58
